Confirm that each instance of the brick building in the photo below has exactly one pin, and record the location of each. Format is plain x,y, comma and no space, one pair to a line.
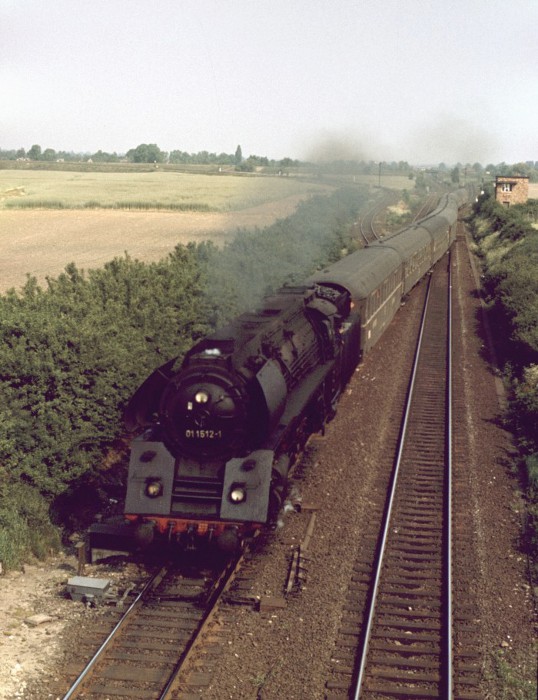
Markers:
511,189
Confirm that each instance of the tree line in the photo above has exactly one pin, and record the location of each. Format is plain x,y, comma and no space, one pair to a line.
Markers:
146,153
152,153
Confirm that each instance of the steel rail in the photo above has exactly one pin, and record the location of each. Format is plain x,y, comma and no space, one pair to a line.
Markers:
449,653
367,221
218,589
362,224
151,583
427,207
371,217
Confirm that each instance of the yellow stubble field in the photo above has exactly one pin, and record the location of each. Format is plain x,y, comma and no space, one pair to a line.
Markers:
42,241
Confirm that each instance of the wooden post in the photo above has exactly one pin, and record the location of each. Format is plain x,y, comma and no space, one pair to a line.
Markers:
82,560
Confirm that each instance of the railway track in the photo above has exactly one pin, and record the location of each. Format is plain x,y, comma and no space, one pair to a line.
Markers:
144,655
430,203
400,637
371,230
368,225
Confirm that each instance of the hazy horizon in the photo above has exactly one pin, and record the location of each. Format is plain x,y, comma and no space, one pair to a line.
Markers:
423,81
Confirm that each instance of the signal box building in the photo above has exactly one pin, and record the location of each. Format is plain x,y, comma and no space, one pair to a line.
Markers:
511,189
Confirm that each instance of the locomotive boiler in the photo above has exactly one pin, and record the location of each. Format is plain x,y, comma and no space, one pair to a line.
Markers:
219,431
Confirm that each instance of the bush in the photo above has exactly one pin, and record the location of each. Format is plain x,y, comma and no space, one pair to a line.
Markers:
71,355
513,223
525,406
25,527
510,257
531,462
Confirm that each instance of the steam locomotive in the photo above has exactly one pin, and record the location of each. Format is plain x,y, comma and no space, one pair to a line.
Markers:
219,431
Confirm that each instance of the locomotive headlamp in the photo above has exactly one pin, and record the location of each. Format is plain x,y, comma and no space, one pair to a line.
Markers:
154,489
237,494
201,397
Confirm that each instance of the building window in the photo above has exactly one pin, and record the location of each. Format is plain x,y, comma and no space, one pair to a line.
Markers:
507,187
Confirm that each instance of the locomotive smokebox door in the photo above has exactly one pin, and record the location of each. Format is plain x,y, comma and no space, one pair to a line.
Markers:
247,481
151,477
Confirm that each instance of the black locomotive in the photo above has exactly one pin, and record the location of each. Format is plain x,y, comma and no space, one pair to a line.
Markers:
220,430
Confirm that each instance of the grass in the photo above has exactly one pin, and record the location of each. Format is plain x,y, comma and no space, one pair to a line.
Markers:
144,190
25,527
514,679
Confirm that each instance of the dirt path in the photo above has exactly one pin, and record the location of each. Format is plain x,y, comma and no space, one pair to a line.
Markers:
43,242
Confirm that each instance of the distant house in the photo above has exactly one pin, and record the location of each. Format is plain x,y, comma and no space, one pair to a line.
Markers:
511,189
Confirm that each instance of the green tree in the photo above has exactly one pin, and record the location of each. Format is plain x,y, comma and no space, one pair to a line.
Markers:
238,158
521,169
287,162
455,175
35,152
49,154
104,157
420,181
146,153
258,160
180,157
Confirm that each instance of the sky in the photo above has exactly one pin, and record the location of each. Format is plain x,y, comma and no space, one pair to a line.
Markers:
426,81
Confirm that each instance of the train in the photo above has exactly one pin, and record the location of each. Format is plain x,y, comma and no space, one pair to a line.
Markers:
218,432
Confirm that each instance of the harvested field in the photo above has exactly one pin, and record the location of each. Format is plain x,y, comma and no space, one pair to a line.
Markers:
41,242
34,189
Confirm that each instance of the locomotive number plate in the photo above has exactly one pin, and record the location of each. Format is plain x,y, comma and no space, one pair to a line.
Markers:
204,434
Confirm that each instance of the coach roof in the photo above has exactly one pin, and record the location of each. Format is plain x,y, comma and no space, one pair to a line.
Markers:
361,272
